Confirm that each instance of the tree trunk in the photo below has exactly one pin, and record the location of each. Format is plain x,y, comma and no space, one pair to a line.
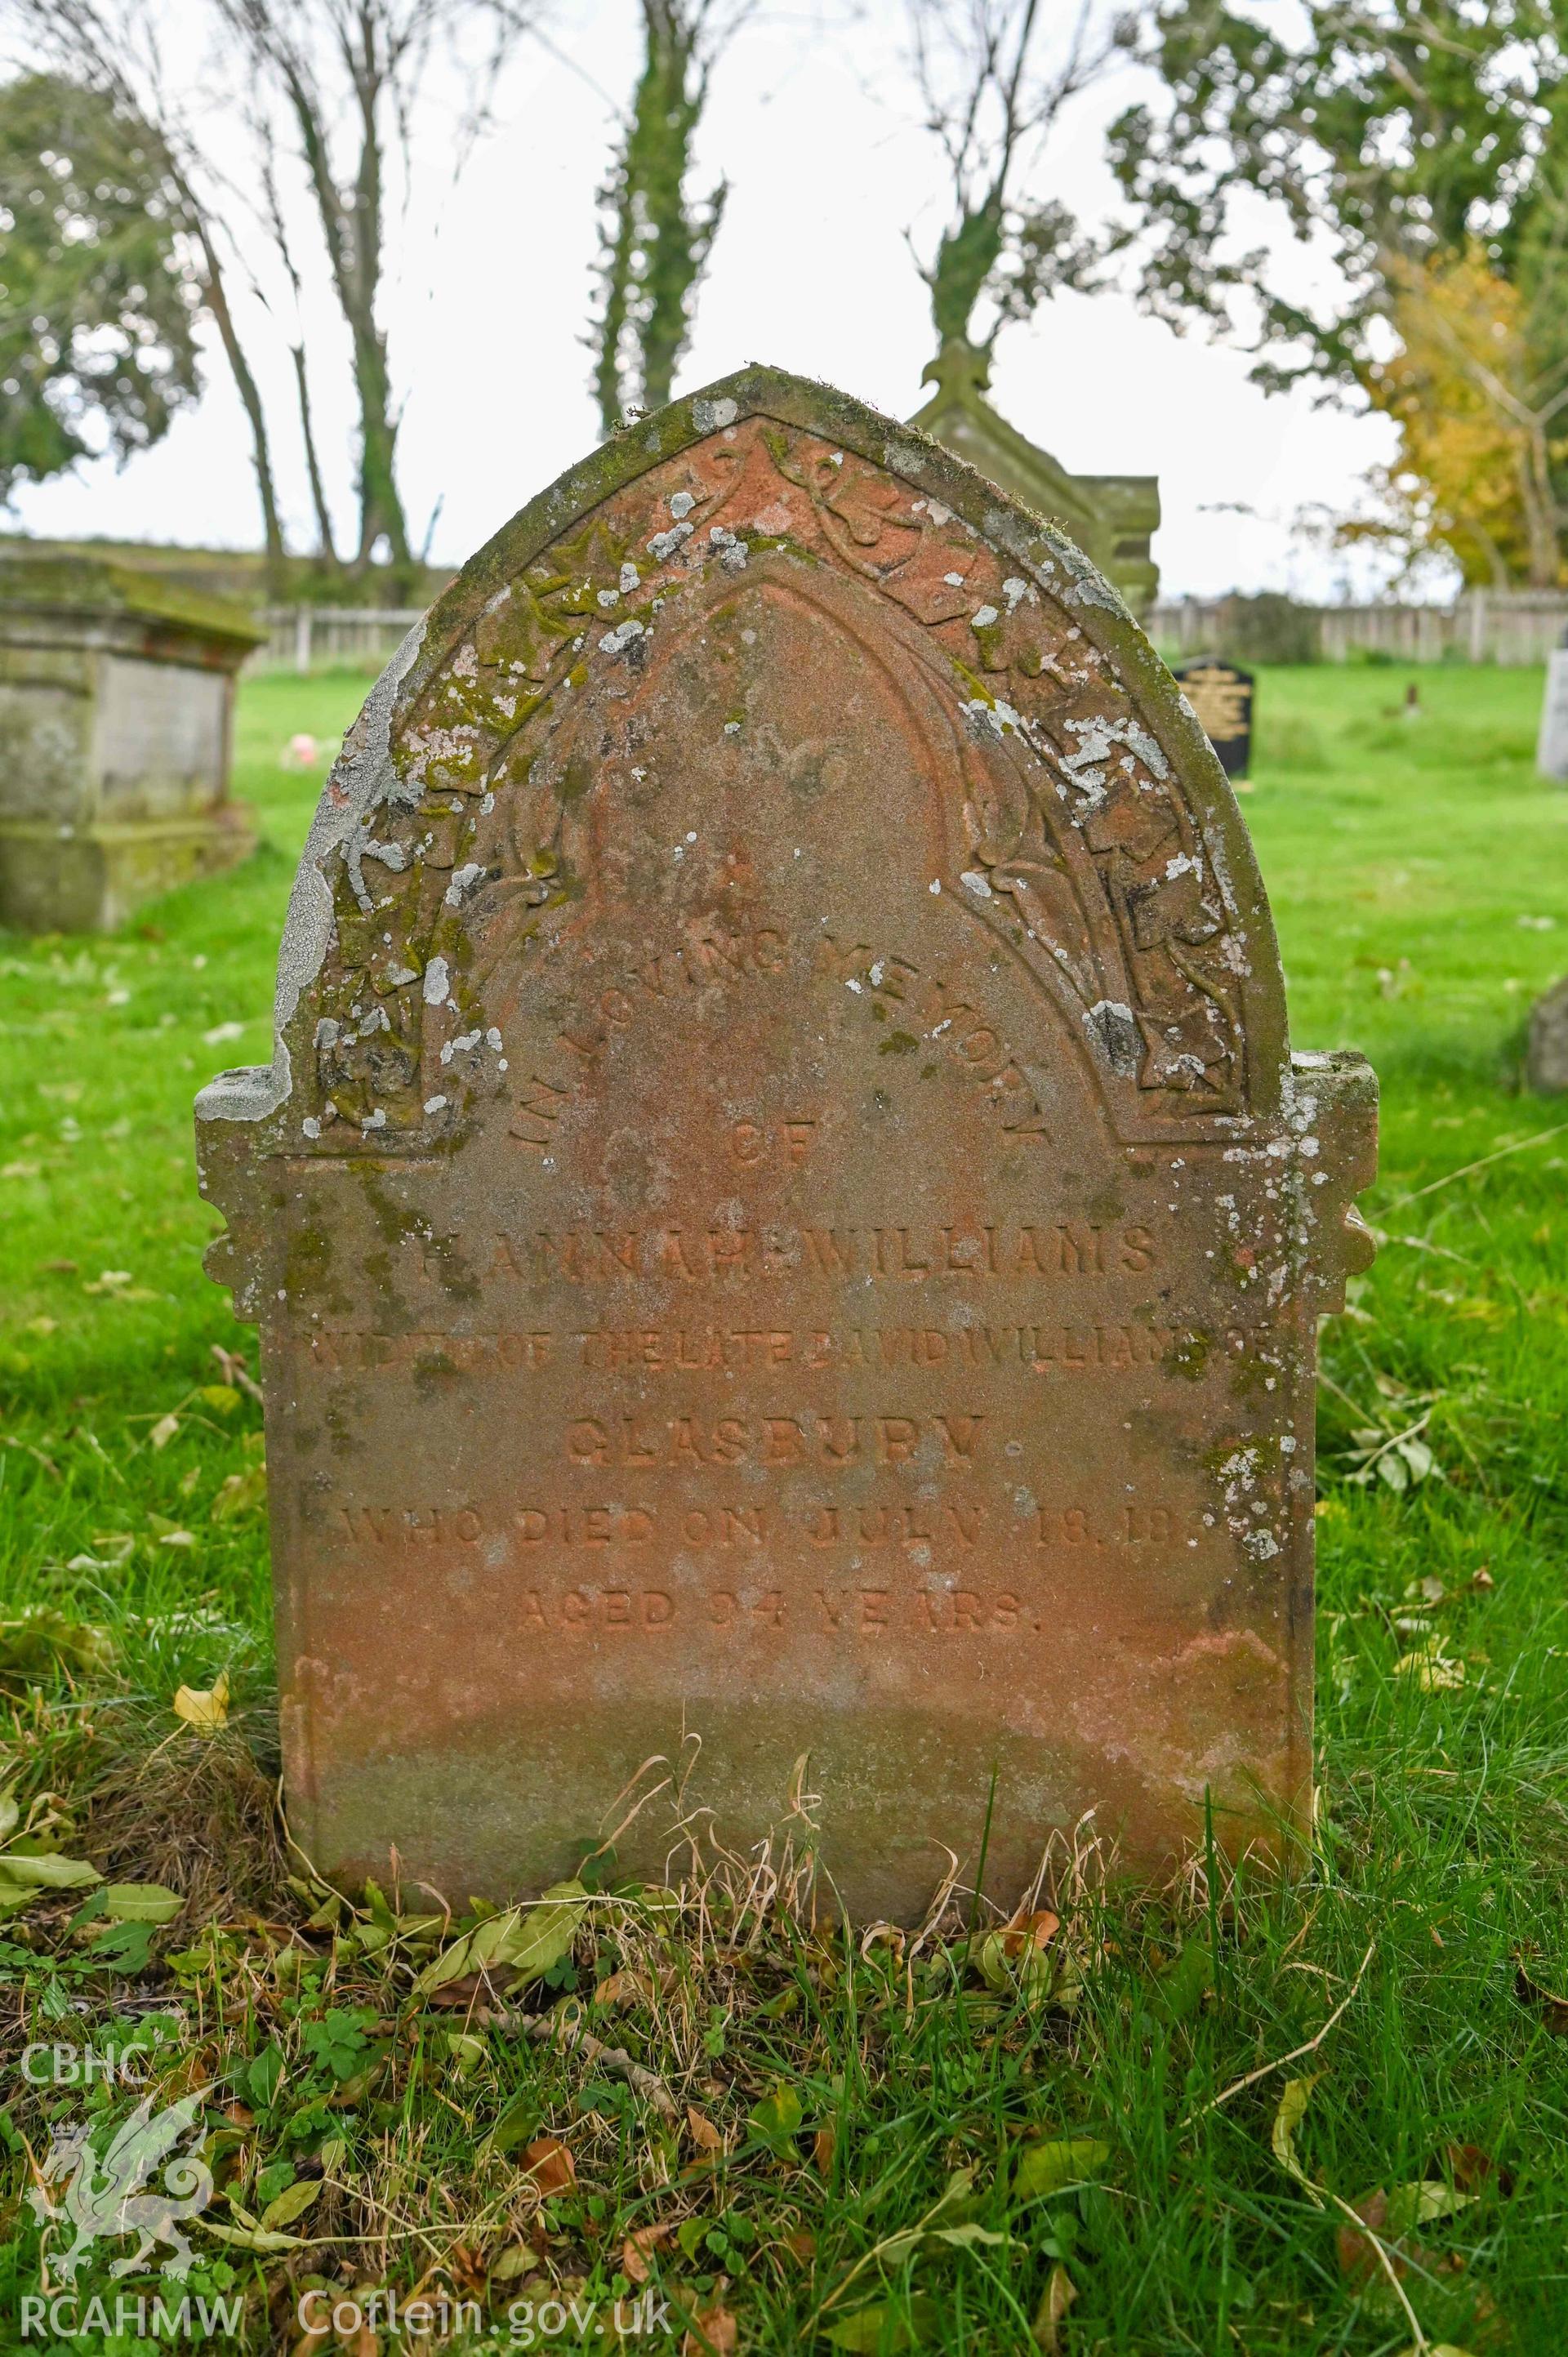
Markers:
218,301
351,225
1540,511
313,466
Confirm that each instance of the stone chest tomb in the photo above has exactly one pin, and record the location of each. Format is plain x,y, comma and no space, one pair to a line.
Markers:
782,1212
116,723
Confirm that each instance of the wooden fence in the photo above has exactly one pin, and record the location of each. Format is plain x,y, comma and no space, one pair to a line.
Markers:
317,638
1484,626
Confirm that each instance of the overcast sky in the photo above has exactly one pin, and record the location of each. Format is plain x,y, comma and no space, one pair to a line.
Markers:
812,272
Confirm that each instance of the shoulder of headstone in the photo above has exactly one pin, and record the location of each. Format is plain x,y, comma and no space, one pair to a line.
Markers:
236,1131
1335,1100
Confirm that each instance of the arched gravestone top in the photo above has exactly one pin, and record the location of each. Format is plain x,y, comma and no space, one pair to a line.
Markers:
782,1214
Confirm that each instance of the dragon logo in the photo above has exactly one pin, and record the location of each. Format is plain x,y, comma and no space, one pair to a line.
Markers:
108,2198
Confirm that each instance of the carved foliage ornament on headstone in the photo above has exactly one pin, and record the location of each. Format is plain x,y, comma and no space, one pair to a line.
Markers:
782,1210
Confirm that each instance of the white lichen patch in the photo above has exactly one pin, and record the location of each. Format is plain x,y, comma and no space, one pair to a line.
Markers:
436,979
663,544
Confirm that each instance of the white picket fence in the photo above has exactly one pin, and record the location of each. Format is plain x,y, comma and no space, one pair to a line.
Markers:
1484,626
321,638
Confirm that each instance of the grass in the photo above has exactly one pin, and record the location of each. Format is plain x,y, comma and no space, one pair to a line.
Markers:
838,2129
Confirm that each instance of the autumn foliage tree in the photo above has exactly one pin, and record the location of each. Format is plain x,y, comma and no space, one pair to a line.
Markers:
1422,147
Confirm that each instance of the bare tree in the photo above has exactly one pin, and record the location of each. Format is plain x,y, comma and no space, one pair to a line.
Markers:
330,91
113,46
347,73
654,238
993,88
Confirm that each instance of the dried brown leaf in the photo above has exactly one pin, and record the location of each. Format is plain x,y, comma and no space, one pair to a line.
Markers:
550,2163
634,2251
714,2333
1059,2293
703,2133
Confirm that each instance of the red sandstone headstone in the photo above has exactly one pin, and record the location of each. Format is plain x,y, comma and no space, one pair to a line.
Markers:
782,1212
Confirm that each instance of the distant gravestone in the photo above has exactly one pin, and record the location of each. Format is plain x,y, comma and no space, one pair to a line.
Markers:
1546,1063
116,723
782,1216
1552,746
1221,694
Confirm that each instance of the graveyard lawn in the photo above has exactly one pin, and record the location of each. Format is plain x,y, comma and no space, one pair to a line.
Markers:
1231,2116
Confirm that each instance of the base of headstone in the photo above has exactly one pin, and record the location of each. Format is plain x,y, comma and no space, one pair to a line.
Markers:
1546,1063
92,880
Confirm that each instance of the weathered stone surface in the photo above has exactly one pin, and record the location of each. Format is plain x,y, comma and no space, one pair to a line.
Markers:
116,722
1546,1063
1552,745
1113,517
782,1217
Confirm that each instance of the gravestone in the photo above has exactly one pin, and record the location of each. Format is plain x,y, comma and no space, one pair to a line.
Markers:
1221,694
1113,517
1546,1060
1552,746
782,1217
116,725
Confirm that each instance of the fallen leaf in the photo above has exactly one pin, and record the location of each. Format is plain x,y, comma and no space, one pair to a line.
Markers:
625,1987
713,2333
164,1431
1048,2167
141,1902
886,2329
1431,1668
1293,2100
824,2144
1059,2293
703,2133
239,1493
635,2249
776,2118
291,2203
204,1709
25,1879
1471,2168
550,2163
41,1639
524,1941
802,2244
254,2238
514,2261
